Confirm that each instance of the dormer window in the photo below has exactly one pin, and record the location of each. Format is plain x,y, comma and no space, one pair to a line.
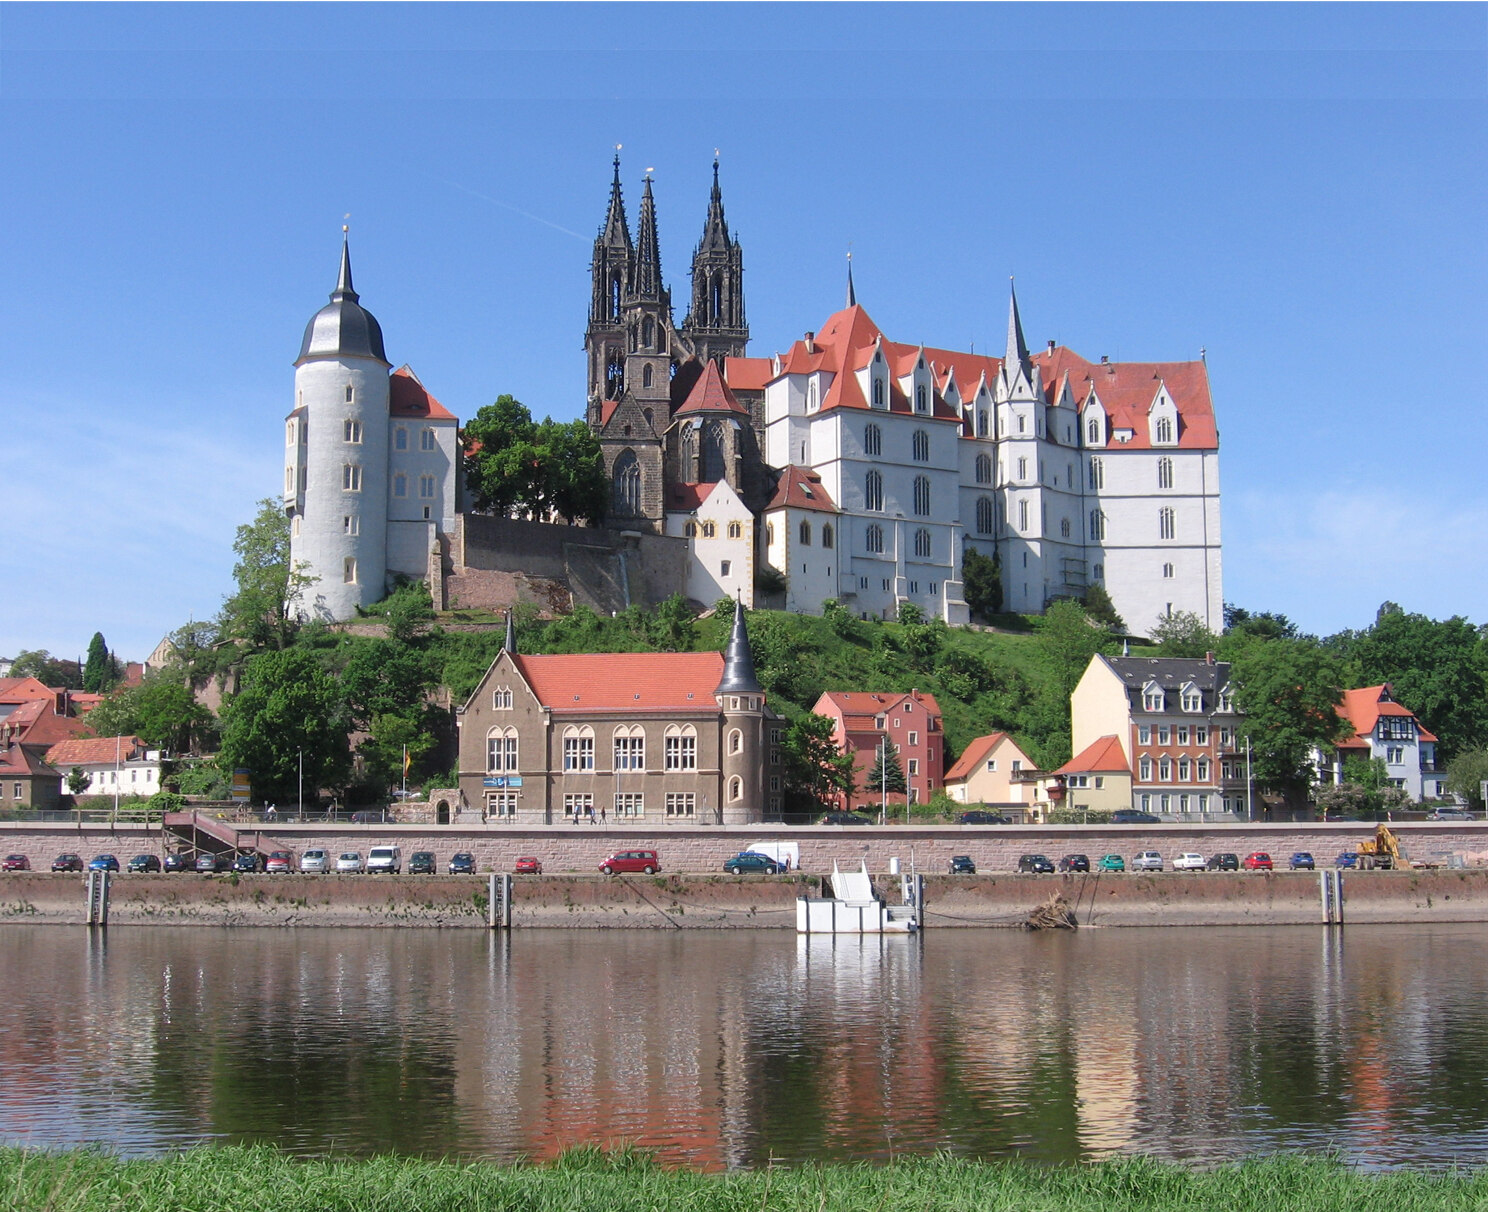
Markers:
1190,699
878,392
1093,431
921,399
1226,700
1152,697
1162,432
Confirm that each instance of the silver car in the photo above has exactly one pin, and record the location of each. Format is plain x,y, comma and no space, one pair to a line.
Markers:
1148,860
315,860
350,863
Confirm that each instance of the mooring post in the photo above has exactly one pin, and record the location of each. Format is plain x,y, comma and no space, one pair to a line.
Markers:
506,899
1338,895
98,897
1325,895
493,892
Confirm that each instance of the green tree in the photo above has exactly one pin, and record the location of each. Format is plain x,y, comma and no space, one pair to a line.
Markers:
981,582
515,467
887,774
1098,606
1183,634
1070,638
816,769
47,669
260,613
162,712
100,671
78,780
286,705
1264,624
1466,774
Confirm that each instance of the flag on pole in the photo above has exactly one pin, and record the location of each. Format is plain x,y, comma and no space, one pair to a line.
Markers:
407,761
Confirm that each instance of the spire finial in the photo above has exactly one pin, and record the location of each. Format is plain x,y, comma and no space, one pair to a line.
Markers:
852,295
1017,349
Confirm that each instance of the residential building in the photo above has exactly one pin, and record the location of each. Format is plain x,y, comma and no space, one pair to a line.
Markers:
992,770
1097,779
670,738
37,715
115,765
1175,719
864,722
26,781
1386,729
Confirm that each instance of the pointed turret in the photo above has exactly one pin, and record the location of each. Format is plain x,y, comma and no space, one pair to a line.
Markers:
343,326
738,661
610,270
616,231
715,227
715,324
646,279
1019,377
1017,350
852,295
510,644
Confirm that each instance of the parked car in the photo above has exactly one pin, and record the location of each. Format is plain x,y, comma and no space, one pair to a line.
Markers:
978,817
1148,860
1302,861
1112,862
1257,860
315,861
280,861
843,818
1074,862
747,860
1130,816
350,863
214,862
961,864
104,862
644,861
385,860
422,862
143,863
176,862
1224,862
1450,814
68,862
1035,863
1347,860
366,817
248,861
527,864
462,863
16,862
1189,861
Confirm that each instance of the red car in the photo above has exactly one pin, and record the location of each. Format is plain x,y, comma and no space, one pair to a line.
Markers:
527,865
644,861
1258,860
16,862
280,860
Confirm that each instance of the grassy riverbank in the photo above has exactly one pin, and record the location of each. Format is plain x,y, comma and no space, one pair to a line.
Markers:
587,1180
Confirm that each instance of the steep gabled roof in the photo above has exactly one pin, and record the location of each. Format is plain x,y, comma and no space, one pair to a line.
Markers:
1362,708
973,756
623,681
801,488
20,761
856,706
748,374
407,397
24,690
711,395
1103,756
685,498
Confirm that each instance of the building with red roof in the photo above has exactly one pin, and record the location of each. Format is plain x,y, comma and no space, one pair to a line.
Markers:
115,765
864,722
993,770
1097,779
26,781
1386,729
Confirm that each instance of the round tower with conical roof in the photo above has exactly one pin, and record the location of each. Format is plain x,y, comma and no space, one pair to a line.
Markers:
742,699
336,461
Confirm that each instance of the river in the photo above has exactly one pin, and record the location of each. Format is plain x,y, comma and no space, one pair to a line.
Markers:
731,1048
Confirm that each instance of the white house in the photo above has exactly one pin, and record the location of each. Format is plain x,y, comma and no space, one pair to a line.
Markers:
719,530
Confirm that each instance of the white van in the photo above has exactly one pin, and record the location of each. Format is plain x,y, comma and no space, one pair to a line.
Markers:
384,859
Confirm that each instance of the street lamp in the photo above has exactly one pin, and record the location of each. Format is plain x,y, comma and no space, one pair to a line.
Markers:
300,795
1249,785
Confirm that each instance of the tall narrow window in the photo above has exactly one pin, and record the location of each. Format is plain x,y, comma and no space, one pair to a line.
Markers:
426,440
922,496
351,524
805,533
982,425
922,544
351,477
872,440
400,438
400,484
627,485
349,571
350,394
873,491
1165,473
1097,474
1023,515
352,431
920,445
1165,524
828,538
1097,525
426,487
1093,430
922,400
873,539
878,392
984,469
984,515
1164,430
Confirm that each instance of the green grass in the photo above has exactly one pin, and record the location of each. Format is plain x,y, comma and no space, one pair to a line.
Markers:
591,1180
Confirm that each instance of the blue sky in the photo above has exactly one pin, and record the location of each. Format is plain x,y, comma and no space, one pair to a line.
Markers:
1299,190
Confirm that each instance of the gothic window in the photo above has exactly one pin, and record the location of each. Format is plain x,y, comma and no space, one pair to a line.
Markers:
922,496
827,537
736,741
715,302
735,530
1093,430
984,515
350,394
501,750
921,446
921,399
627,485
1064,528
615,295
922,544
872,440
1022,515
1165,473
426,439
1164,430
578,748
709,530
648,337
1167,571
736,788
501,698
873,539
614,376
1022,469
878,392
689,529
873,491
712,469
805,533
1097,525
681,747
1097,474
984,469
1165,523
646,375
981,423
630,748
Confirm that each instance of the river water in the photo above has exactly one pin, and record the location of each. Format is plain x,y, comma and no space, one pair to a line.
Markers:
730,1048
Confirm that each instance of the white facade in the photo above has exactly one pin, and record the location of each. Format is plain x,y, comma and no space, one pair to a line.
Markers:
720,535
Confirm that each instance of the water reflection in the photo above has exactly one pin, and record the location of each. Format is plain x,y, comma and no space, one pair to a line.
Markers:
726,1049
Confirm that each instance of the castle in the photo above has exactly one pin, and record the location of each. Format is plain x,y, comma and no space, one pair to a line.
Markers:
850,467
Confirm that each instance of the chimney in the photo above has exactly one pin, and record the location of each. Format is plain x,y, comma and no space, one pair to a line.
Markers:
810,342
1105,359
1051,346
1208,658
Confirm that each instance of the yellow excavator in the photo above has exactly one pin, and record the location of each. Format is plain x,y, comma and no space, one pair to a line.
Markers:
1380,851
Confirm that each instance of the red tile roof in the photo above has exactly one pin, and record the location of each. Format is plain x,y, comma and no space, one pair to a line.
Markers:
684,498
1102,756
973,756
624,681
711,394
748,374
24,690
407,397
1362,708
19,761
606,411
866,704
801,488
93,751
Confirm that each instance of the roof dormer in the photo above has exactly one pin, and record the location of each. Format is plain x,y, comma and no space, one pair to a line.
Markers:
874,378
1094,421
1162,419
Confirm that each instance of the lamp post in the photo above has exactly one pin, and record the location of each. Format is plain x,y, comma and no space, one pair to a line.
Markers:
1249,785
300,794
883,779
114,817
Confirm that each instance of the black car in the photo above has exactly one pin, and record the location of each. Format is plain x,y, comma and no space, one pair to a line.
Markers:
214,862
142,863
1075,862
978,817
248,861
176,862
1224,862
1035,863
961,864
1130,816
68,862
421,862
843,818
462,863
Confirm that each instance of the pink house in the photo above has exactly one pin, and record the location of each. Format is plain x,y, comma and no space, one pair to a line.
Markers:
911,722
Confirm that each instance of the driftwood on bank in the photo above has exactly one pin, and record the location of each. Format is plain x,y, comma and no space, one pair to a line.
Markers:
1053,914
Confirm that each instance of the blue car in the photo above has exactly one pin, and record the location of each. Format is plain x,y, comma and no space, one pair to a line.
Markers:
1302,861
1349,859
104,862
750,861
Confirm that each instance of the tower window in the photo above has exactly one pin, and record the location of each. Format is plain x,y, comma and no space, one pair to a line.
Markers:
922,496
426,440
426,487
1166,525
349,571
873,491
400,485
351,524
352,431
1165,473
351,477
921,446
922,544
646,375
350,394
872,440
984,469
873,539
805,533
984,515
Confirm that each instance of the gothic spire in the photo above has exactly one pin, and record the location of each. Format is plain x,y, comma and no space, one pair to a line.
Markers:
616,231
738,661
511,634
646,283
715,229
1017,351
852,295
343,282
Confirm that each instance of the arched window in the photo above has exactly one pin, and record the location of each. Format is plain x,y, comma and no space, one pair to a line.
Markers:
578,748
872,440
736,788
681,747
1165,472
827,537
1166,527
878,392
981,423
735,741
922,496
921,399
873,539
1093,430
805,533
648,334
1064,528
709,530
646,375
921,446
1167,571
1023,515
873,491
1164,430
501,750
984,469
712,469
627,485
922,544
735,530
769,534
1097,525
630,747
1097,474
984,515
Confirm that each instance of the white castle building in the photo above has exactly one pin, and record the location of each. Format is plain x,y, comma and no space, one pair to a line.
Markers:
371,465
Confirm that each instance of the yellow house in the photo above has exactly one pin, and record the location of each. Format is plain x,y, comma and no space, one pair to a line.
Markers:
993,771
1097,779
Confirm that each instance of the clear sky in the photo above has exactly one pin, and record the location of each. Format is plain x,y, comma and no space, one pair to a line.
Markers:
1298,190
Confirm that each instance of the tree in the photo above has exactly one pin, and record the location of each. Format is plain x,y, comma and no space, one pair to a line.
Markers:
162,712
46,669
1098,606
261,613
1069,639
1265,624
887,774
287,705
100,672
981,582
1466,775
1183,634
78,780
514,467
816,769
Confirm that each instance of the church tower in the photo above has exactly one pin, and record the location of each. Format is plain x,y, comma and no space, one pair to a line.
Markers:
648,324
610,269
742,700
715,326
335,457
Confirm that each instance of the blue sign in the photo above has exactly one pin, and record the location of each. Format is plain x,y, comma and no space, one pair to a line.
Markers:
496,782
513,780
